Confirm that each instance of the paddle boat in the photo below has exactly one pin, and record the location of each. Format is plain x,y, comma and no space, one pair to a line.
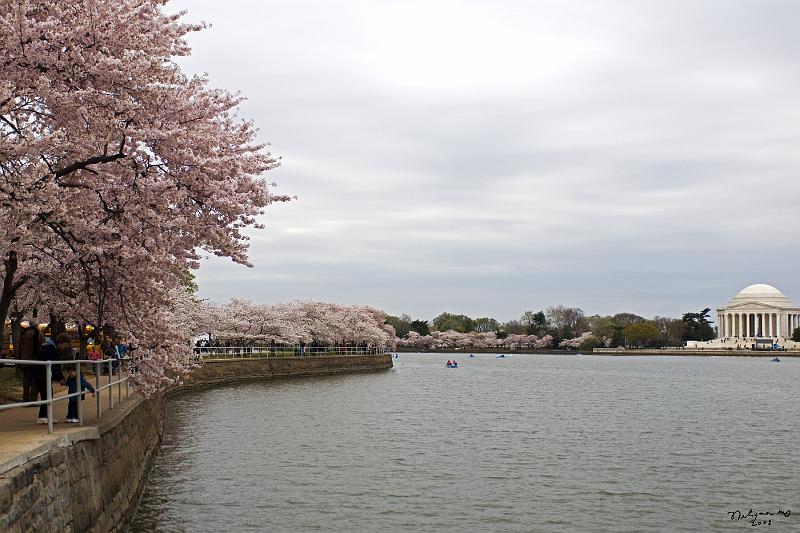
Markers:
501,356
776,360
472,355
452,364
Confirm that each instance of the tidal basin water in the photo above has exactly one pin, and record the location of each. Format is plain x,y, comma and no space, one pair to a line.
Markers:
525,443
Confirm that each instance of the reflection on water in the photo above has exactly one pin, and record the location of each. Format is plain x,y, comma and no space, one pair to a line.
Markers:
527,443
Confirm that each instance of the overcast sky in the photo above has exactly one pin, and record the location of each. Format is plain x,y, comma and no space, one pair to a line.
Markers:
491,157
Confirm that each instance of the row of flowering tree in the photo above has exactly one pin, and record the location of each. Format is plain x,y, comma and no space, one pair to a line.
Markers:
117,171
243,323
455,340
472,339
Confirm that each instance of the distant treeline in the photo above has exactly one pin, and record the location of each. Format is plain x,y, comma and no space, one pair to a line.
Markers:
569,327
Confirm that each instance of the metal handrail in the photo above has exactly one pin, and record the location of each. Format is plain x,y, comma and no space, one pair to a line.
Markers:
246,352
77,362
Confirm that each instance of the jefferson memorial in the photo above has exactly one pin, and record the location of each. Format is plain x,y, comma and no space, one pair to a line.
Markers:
760,316
758,311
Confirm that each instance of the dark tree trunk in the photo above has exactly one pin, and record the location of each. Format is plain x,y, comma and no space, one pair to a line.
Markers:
56,325
16,329
10,264
82,340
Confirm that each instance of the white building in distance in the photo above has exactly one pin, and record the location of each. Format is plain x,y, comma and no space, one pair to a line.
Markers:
760,316
758,311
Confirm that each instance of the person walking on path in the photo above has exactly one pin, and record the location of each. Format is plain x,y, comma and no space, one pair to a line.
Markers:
93,353
64,344
72,386
109,352
28,350
48,352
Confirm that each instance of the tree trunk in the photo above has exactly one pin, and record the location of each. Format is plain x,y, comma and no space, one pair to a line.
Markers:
16,329
82,339
10,263
56,325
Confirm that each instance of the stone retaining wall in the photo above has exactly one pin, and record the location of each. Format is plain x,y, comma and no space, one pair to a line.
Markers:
90,480
695,352
233,370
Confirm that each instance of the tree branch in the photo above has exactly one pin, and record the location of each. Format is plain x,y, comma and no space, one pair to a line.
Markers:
79,165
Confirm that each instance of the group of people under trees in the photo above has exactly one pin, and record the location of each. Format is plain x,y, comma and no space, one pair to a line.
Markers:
33,345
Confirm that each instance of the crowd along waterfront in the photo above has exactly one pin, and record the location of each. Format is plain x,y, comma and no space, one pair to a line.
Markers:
521,443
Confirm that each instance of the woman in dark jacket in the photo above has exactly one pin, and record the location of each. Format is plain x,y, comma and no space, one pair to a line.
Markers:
27,347
48,352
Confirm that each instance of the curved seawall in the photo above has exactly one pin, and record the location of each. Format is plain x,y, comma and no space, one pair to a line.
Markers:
91,479
233,370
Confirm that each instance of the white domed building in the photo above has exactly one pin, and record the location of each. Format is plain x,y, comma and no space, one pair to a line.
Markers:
758,317
758,311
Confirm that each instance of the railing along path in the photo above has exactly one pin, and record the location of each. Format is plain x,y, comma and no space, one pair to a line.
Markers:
228,352
123,372
50,400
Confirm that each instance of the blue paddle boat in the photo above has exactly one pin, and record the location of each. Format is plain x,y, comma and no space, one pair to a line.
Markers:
776,360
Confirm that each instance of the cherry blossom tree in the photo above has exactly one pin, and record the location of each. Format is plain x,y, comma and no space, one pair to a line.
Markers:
295,322
544,342
455,340
514,342
572,344
117,170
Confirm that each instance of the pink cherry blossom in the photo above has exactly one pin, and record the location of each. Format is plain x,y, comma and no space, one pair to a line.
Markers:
117,171
576,342
242,321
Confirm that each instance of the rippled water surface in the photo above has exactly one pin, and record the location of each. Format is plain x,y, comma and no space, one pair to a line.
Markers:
527,443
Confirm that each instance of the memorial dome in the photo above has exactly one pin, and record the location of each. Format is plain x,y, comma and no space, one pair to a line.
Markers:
761,293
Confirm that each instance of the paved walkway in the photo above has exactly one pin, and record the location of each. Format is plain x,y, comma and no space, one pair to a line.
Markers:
21,437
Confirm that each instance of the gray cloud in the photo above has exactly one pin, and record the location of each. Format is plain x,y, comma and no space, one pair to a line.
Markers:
491,157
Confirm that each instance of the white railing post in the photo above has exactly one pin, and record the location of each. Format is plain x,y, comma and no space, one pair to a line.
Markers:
110,388
49,380
119,384
98,391
127,383
80,389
